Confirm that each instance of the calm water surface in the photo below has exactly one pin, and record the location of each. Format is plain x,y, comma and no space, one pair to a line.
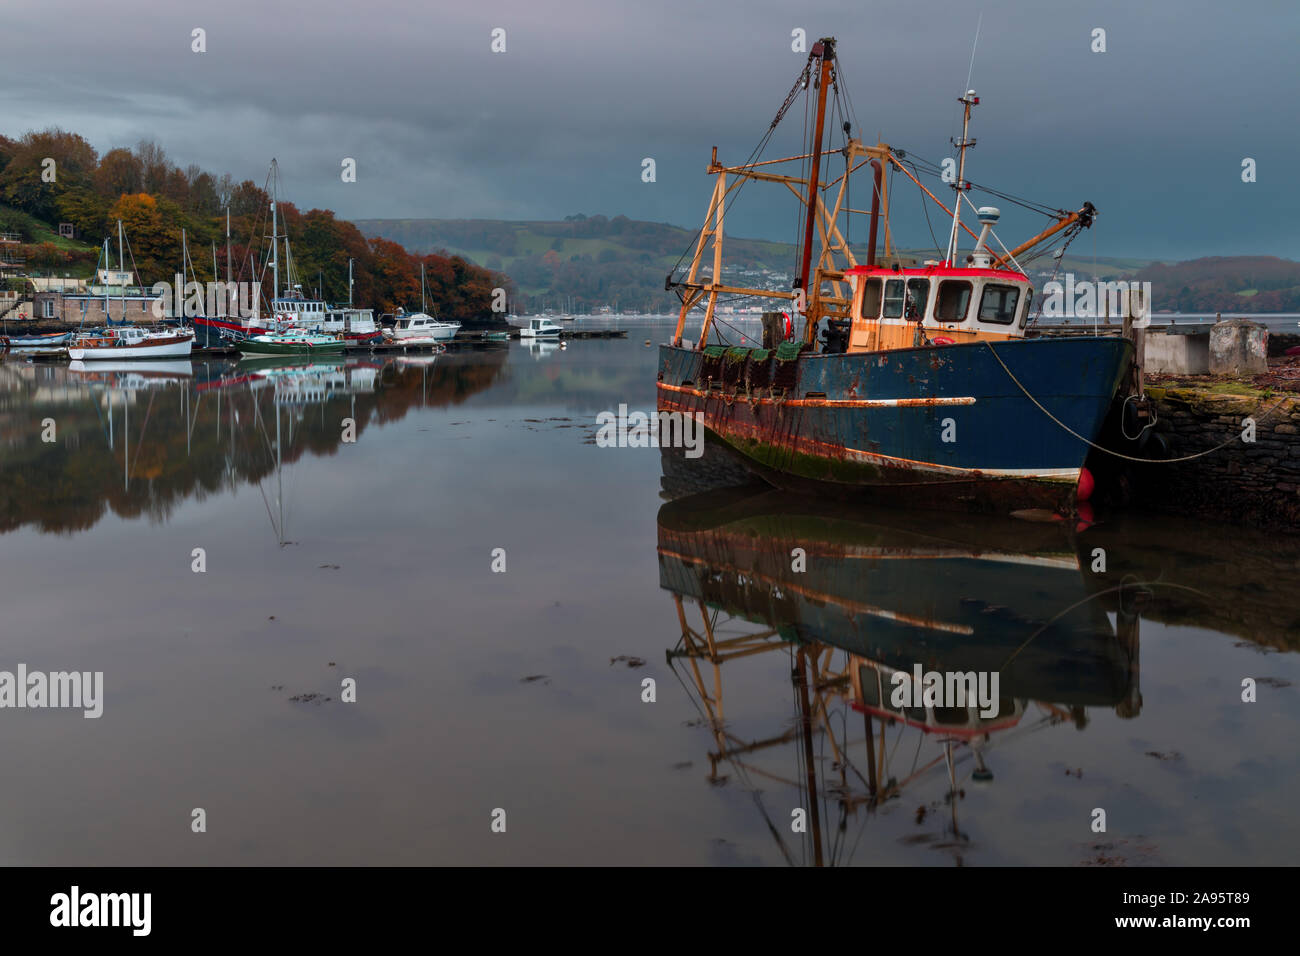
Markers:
522,690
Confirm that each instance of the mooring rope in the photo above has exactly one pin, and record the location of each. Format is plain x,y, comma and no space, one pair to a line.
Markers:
1145,461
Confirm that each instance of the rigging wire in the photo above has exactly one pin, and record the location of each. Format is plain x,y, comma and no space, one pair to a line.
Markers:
801,85
925,208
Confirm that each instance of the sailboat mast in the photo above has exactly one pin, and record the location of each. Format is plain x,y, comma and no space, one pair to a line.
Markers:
824,48
275,242
121,271
185,258
227,246
126,441
422,287
349,283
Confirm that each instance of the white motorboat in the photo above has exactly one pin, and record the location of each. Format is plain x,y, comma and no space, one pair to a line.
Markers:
540,328
131,342
418,328
420,325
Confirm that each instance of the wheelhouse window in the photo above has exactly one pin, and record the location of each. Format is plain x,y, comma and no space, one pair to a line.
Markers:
1024,311
869,680
998,304
918,295
894,299
871,299
953,302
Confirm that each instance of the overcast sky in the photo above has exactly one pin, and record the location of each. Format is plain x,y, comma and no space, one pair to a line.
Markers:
1153,131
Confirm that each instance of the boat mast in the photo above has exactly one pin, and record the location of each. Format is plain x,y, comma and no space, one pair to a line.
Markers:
227,246
960,186
275,243
349,283
121,271
422,287
824,48
185,256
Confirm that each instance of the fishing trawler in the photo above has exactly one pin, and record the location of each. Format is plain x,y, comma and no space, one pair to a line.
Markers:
923,385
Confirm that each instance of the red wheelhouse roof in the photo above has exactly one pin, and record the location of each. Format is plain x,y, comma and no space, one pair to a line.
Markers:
939,271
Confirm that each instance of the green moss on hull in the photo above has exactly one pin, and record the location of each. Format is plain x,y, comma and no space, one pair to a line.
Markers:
803,465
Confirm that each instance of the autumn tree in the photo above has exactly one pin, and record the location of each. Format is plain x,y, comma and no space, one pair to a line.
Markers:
25,182
150,241
118,174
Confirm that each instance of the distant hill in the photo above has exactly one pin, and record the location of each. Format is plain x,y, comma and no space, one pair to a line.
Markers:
580,263
1225,284
585,262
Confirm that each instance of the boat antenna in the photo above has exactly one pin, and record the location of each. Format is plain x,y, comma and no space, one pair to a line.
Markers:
970,72
967,101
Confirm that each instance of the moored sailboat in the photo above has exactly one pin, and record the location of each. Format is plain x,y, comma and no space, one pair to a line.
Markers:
133,343
118,342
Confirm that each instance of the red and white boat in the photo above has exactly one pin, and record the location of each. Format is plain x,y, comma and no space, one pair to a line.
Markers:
132,342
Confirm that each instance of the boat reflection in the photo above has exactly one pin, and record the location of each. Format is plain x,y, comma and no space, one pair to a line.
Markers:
856,601
541,348
144,436
133,375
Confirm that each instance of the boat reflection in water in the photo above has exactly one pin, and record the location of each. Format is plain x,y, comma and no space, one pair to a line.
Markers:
150,434
853,598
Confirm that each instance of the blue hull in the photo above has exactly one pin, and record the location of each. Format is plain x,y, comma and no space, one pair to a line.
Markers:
938,421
